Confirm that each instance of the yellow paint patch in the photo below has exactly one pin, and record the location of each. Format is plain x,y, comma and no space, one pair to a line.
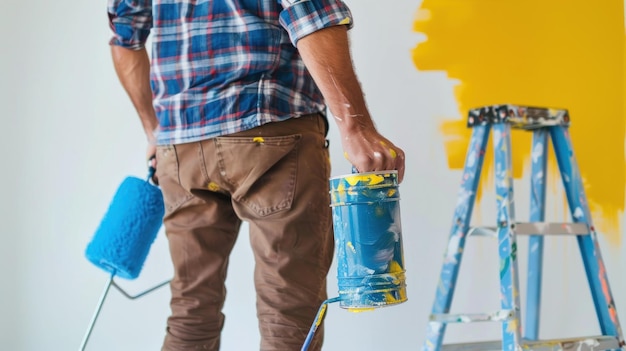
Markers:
359,310
512,326
345,155
369,179
402,293
394,267
351,246
213,187
393,153
346,20
320,317
562,54
258,140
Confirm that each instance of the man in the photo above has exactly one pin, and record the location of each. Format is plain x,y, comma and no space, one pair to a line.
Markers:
237,90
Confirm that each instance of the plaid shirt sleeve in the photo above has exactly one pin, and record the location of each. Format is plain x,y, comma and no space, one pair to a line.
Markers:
130,21
303,17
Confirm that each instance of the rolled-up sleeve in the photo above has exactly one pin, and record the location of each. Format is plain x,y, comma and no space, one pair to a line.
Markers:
303,17
130,21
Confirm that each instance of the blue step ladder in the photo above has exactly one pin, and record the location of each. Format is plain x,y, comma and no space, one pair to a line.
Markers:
545,124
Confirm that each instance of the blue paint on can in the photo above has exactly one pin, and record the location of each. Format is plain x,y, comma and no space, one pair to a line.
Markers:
368,239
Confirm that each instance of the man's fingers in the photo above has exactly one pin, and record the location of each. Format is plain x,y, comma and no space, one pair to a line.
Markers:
152,166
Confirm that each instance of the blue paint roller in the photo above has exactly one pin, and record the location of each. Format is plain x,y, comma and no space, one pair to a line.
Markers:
123,239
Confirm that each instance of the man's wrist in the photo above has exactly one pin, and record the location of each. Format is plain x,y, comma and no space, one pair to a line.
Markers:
152,136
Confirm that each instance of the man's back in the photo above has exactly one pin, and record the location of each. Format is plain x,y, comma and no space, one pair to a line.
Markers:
223,66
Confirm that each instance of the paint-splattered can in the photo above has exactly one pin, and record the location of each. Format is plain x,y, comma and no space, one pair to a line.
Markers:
368,239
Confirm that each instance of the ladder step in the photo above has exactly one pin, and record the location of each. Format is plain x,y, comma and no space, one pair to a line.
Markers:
536,228
520,117
498,316
592,343
474,346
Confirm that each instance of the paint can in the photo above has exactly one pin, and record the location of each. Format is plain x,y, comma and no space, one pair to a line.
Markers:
368,240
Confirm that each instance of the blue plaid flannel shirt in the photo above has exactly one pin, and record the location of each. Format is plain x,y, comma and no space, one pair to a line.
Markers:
223,66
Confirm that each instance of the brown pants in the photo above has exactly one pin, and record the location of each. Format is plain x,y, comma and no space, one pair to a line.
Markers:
276,178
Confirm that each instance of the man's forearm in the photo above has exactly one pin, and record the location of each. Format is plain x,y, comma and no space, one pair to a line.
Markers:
133,71
327,57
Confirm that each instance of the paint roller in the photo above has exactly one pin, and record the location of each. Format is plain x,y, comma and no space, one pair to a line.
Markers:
123,239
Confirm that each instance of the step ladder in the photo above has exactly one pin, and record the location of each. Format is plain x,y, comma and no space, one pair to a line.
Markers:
545,124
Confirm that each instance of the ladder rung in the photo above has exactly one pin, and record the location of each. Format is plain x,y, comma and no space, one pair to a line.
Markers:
474,346
592,343
498,316
536,228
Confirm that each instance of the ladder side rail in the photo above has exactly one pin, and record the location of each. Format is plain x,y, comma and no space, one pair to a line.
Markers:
539,157
460,226
589,247
507,243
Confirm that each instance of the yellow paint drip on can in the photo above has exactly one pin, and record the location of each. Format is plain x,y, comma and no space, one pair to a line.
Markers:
395,267
366,179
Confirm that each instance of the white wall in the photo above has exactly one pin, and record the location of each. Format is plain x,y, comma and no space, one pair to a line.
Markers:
10,267
71,136
8,258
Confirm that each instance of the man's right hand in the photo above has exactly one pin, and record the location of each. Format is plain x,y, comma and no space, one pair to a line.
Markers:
369,151
152,162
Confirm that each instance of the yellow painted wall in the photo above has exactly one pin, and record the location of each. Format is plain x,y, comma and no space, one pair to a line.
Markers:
557,53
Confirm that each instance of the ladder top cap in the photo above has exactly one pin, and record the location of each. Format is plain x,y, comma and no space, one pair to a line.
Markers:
520,117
